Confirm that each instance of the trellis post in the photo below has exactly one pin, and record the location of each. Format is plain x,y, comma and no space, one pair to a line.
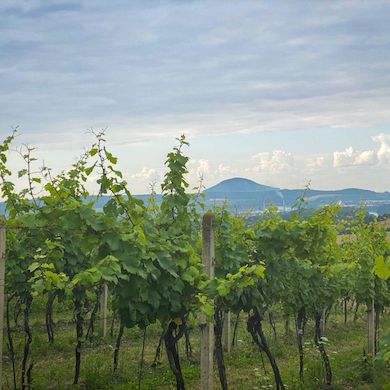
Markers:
2,283
207,328
103,310
371,328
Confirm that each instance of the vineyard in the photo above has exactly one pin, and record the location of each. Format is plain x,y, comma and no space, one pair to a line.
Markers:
146,295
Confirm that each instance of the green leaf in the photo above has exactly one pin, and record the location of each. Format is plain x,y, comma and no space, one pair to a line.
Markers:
33,266
93,152
112,240
89,170
167,264
223,289
381,269
22,172
110,157
187,277
259,271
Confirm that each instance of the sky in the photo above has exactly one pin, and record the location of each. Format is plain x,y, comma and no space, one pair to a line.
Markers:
284,93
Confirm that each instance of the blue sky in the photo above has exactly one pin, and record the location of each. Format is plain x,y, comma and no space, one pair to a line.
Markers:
280,92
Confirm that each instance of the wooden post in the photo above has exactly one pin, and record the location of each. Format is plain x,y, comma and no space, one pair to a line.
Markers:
371,328
226,334
207,329
103,311
2,278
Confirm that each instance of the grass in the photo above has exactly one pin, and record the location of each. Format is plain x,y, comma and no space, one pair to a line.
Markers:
53,364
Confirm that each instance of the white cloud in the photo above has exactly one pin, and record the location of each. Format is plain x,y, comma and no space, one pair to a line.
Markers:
199,168
314,162
146,174
203,167
351,157
224,170
277,161
209,172
384,149
368,157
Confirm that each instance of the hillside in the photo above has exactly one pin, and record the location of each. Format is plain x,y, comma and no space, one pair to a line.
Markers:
247,195
238,184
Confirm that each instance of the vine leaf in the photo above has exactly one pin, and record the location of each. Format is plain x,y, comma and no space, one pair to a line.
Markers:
381,269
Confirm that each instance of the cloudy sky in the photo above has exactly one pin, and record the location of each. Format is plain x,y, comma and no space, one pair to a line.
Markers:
279,92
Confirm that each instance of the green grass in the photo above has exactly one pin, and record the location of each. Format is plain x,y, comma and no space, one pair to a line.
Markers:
53,364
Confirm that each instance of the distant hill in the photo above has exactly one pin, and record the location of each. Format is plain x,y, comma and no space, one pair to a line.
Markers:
238,184
246,195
